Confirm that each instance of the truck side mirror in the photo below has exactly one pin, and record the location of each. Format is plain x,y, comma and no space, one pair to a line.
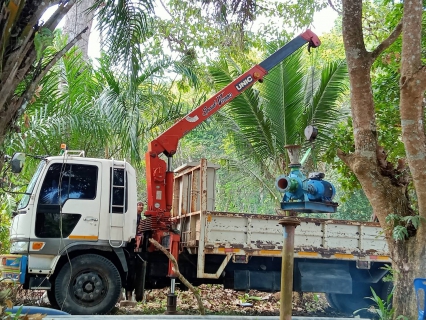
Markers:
17,162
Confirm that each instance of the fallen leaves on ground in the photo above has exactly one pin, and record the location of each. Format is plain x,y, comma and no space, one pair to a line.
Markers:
217,300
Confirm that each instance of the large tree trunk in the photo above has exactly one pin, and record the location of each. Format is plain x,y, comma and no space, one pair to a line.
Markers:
386,193
411,255
76,20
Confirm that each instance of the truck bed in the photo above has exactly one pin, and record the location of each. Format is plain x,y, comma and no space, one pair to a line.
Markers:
215,232
239,236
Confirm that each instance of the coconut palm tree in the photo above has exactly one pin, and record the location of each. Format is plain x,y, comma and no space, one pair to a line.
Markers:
273,114
133,117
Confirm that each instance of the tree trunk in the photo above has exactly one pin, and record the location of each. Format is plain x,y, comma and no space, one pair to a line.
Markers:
78,18
411,256
18,20
386,193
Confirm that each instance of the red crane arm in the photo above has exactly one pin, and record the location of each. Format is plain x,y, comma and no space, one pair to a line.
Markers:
160,188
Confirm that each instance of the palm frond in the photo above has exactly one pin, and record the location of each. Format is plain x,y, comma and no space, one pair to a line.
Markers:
245,110
188,73
324,104
124,25
283,95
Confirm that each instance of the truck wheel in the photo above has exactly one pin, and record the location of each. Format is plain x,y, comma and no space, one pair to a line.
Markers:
330,300
349,303
52,299
387,288
91,284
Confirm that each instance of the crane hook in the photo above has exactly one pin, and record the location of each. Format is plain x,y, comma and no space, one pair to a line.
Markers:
311,133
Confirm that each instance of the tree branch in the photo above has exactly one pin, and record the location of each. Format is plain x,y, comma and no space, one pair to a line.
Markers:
61,12
19,61
167,10
180,276
344,157
334,8
387,42
29,30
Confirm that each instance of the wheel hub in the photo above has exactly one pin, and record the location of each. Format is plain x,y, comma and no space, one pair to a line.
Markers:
88,286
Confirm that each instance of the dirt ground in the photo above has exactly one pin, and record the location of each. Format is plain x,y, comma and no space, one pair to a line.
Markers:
216,300
221,301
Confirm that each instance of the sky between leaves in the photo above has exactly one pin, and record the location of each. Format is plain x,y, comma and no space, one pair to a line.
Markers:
323,23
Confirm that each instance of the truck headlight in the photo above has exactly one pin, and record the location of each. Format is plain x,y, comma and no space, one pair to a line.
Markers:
19,247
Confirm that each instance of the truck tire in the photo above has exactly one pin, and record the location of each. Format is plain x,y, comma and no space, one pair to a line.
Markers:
349,303
331,301
90,284
52,298
387,288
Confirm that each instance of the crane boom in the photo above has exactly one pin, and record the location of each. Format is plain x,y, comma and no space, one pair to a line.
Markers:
160,175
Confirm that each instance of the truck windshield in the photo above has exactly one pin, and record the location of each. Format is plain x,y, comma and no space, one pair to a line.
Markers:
26,198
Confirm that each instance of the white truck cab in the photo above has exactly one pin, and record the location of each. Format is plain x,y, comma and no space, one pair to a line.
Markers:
73,202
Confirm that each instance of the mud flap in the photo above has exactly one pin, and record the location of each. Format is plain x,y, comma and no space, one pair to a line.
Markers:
322,277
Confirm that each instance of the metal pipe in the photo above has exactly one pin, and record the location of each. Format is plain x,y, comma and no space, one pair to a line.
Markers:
169,164
171,299
289,225
172,285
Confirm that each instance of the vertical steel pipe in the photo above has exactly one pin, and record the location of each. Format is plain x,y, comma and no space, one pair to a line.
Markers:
289,225
171,299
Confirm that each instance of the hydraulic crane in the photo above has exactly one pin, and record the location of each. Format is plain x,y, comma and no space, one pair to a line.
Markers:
160,174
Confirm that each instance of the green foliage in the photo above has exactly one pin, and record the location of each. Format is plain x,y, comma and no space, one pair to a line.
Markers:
298,14
343,140
241,189
390,276
62,110
400,233
96,110
42,39
382,308
134,117
353,205
7,204
14,316
400,224
124,25
246,297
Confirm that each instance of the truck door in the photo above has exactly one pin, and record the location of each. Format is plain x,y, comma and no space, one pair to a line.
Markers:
68,204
